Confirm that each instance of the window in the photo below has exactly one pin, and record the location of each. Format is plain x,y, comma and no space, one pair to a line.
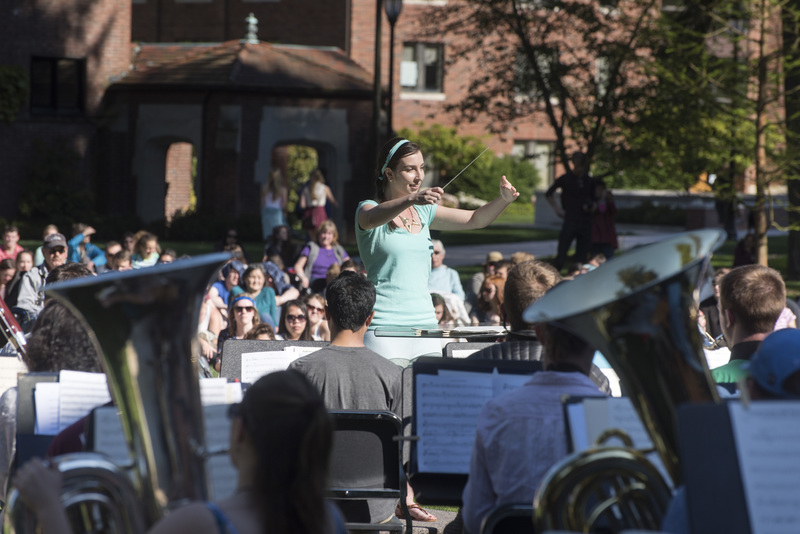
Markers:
57,85
525,79
422,67
602,75
541,154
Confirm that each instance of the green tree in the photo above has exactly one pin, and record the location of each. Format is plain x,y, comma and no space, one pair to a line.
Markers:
302,160
447,153
13,91
580,66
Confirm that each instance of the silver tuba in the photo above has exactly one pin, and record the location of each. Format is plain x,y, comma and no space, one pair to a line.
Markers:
640,311
143,324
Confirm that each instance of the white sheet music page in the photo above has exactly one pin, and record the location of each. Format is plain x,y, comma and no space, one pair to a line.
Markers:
213,391
767,435
505,382
79,394
447,409
45,398
10,368
222,474
257,364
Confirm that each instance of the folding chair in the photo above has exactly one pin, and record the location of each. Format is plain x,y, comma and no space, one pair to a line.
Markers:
512,518
366,463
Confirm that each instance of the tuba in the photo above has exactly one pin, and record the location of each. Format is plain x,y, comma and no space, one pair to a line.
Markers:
143,324
640,311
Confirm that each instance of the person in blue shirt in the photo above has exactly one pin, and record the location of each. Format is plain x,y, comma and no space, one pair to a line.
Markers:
81,248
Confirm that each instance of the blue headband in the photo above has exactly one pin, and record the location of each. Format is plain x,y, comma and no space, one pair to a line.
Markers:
243,297
391,153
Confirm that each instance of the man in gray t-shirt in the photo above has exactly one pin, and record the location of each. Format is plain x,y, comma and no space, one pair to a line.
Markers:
350,376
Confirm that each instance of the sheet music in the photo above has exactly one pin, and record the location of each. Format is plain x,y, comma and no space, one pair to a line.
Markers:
447,409
301,350
767,434
463,353
222,475
79,394
108,436
603,413
10,368
213,391
505,382
45,398
576,420
257,364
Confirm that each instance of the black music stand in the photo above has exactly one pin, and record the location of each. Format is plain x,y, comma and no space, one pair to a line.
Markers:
447,488
233,349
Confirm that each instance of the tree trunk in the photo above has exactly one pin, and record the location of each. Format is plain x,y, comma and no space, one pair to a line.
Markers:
791,37
759,215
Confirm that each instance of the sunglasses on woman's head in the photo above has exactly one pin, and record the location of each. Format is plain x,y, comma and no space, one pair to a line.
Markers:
293,318
316,309
242,309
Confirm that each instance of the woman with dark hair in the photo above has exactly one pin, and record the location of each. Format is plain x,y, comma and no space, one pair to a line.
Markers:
394,242
293,325
313,199
282,482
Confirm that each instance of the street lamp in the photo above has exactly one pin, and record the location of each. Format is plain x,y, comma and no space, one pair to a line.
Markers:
393,8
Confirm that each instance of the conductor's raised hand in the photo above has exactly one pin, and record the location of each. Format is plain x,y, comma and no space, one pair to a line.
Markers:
507,191
431,195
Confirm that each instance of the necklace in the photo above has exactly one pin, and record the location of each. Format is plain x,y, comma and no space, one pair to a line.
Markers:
410,224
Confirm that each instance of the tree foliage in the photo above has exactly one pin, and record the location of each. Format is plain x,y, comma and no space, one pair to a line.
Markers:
55,190
13,91
580,65
447,153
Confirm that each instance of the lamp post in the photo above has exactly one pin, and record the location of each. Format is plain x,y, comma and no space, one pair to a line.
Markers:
393,8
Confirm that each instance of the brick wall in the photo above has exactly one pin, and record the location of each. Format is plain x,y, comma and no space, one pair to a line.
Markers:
309,22
178,178
97,31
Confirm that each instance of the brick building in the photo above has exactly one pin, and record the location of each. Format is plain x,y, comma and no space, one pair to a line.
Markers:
109,79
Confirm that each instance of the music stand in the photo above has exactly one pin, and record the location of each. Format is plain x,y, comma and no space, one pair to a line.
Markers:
233,349
446,488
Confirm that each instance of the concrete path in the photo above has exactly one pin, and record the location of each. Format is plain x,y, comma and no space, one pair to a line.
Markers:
629,236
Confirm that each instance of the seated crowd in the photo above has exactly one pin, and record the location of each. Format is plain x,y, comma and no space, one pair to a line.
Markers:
520,434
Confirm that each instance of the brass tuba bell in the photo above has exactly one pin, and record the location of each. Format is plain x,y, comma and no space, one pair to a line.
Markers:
640,311
143,324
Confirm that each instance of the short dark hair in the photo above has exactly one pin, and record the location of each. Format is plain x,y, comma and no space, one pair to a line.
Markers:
10,229
351,298
755,295
67,271
59,341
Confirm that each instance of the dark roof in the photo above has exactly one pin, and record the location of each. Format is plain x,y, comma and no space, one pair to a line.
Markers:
238,65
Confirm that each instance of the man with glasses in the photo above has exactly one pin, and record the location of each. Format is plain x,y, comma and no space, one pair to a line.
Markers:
31,296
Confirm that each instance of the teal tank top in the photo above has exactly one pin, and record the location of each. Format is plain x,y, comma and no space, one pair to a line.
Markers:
399,264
